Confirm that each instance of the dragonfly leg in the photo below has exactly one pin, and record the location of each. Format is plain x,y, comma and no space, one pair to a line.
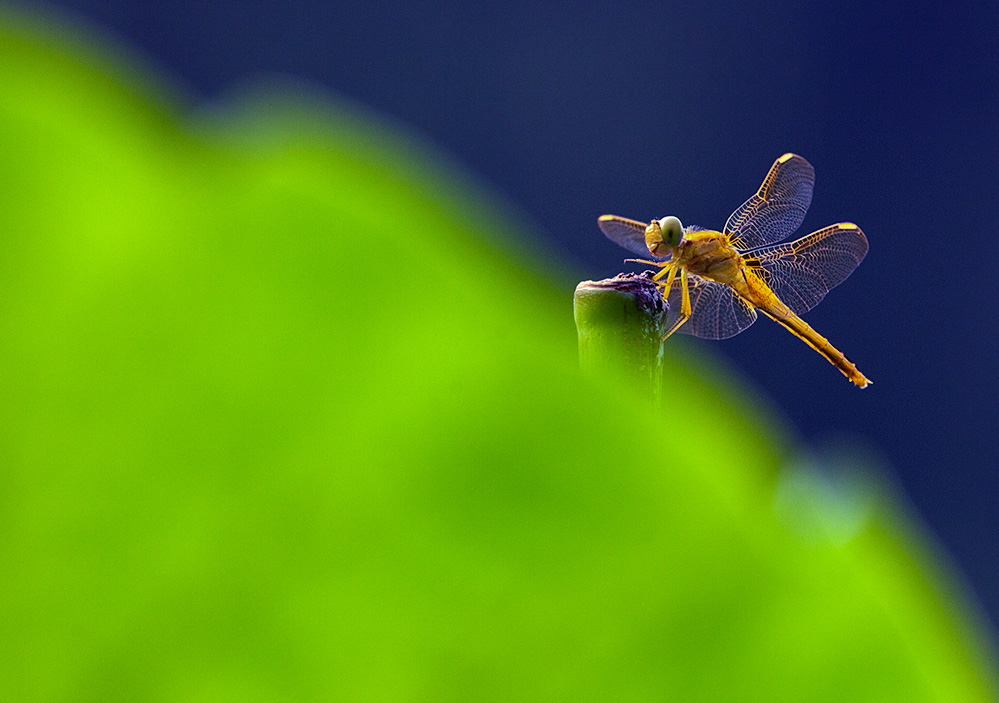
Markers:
684,305
666,267
671,270
657,264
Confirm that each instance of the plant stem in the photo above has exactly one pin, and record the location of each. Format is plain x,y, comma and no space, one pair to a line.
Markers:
620,322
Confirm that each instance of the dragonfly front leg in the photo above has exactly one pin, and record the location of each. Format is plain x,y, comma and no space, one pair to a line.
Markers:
670,272
657,264
684,304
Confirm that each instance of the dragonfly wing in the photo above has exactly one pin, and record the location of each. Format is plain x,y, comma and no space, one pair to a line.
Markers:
801,272
629,234
716,311
778,207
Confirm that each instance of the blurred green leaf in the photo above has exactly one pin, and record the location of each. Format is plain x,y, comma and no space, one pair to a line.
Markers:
284,419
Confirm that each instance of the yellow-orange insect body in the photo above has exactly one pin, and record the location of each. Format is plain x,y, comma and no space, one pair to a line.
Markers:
725,277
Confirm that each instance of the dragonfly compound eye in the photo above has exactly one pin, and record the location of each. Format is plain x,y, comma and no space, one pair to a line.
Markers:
672,230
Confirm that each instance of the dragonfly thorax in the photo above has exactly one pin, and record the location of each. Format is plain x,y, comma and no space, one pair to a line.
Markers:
708,254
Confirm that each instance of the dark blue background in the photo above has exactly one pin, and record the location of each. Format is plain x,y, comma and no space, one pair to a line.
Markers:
645,109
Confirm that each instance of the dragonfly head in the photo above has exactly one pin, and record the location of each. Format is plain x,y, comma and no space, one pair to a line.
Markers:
663,236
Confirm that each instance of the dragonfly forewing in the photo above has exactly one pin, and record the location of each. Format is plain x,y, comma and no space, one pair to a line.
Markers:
778,207
629,234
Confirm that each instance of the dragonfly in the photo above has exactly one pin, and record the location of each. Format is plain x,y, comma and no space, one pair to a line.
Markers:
716,283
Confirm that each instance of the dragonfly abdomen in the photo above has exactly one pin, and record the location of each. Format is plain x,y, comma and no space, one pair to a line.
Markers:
801,329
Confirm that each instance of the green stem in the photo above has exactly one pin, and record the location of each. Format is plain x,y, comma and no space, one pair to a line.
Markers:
620,322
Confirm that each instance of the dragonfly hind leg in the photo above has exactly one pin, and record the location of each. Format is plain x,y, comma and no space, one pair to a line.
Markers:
685,309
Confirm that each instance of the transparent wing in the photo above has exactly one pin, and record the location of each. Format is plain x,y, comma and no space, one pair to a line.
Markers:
778,207
716,312
801,272
628,233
